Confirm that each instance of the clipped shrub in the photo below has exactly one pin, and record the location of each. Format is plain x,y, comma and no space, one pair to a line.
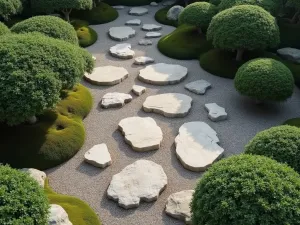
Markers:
9,8
264,79
49,25
3,29
248,190
22,200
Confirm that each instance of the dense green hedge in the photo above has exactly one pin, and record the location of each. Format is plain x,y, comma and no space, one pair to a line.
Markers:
3,29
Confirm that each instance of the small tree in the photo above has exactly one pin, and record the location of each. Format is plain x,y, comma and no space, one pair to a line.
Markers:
9,8
3,29
244,27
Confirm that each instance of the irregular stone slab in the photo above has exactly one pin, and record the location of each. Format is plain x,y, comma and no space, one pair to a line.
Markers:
178,205
115,100
291,54
215,112
143,60
151,27
135,22
153,4
198,87
163,74
138,11
98,156
122,51
138,90
38,175
121,33
145,42
174,12
169,3
107,75
143,180
118,7
169,105
153,35
58,216
197,146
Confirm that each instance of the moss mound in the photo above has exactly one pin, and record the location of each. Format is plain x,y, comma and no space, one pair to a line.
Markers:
54,139
161,17
86,36
130,2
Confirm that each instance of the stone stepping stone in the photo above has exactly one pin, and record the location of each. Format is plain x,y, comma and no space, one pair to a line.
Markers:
143,60
169,3
115,100
98,156
135,22
151,27
138,90
118,7
291,54
37,175
141,133
197,146
169,104
145,42
143,180
198,87
58,216
153,4
215,113
107,75
153,35
163,74
138,11
122,51
178,206
121,33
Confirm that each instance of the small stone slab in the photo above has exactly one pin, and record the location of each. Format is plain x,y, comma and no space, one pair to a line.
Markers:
142,134
153,4
135,22
291,54
169,3
173,13
145,42
38,175
115,100
169,105
163,74
122,51
215,112
138,90
107,75
118,7
98,156
58,216
153,35
198,87
178,205
143,60
138,11
143,180
121,33
197,146
151,27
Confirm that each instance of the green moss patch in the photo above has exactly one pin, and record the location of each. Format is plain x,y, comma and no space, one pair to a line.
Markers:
161,17
131,2
55,138
86,35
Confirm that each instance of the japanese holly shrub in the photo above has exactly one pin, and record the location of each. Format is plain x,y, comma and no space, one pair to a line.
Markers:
3,29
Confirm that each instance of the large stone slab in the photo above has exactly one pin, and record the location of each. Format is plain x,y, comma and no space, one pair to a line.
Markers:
153,4
121,33
178,205
143,60
135,22
153,35
151,27
38,175
163,74
122,51
141,181
142,133
173,13
291,54
138,90
198,87
58,216
145,42
107,75
138,11
115,100
169,105
197,146
98,156
215,112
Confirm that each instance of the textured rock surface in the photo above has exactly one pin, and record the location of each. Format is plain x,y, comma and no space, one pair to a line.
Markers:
98,156
169,105
174,12
107,75
145,42
143,60
121,33
197,146
168,3
178,205
38,175
118,7
291,54
138,11
122,51
115,100
198,87
163,74
153,35
135,22
141,181
151,27
58,216
153,4
215,112
138,90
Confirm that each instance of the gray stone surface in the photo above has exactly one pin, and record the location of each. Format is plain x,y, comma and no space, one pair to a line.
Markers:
141,181
115,100
134,22
291,54
173,13
153,4
118,7
151,27
143,60
138,11
98,156
198,87
153,35
38,175
58,216
121,33
138,90
145,42
122,51
169,3
215,112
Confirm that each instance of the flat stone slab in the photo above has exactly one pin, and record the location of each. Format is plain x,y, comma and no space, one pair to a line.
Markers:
169,3
98,156
291,54
121,33
169,104
135,22
163,74
38,175
215,112
153,35
118,7
143,180
178,205
143,60
197,146
138,90
198,87
145,42
151,27
115,100
107,75
138,11
153,4
58,216
122,51
141,133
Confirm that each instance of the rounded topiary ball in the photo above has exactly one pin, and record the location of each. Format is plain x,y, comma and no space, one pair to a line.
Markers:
264,80
22,200
3,29
247,190
49,25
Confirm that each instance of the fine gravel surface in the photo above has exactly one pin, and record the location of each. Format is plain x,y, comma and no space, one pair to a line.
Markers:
90,184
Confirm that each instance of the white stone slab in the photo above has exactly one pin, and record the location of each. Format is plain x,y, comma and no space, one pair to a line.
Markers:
215,112
198,87
143,60
169,3
38,175
118,7
145,42
122,51
98,156
135,22
138,90
121,33
291,54
58,216
138,11
153,35
115,100
153,4
151,27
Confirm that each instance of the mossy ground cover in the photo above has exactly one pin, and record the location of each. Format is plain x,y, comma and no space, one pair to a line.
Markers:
130,2
54,139
86,35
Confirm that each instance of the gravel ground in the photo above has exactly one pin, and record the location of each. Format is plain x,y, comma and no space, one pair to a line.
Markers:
90,184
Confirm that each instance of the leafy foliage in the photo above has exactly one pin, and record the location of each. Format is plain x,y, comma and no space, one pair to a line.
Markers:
9,8
248,190
49,6
3,29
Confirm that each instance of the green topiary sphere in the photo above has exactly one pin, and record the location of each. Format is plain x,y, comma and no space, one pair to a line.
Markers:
3,29
264,80
22,200
247,190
